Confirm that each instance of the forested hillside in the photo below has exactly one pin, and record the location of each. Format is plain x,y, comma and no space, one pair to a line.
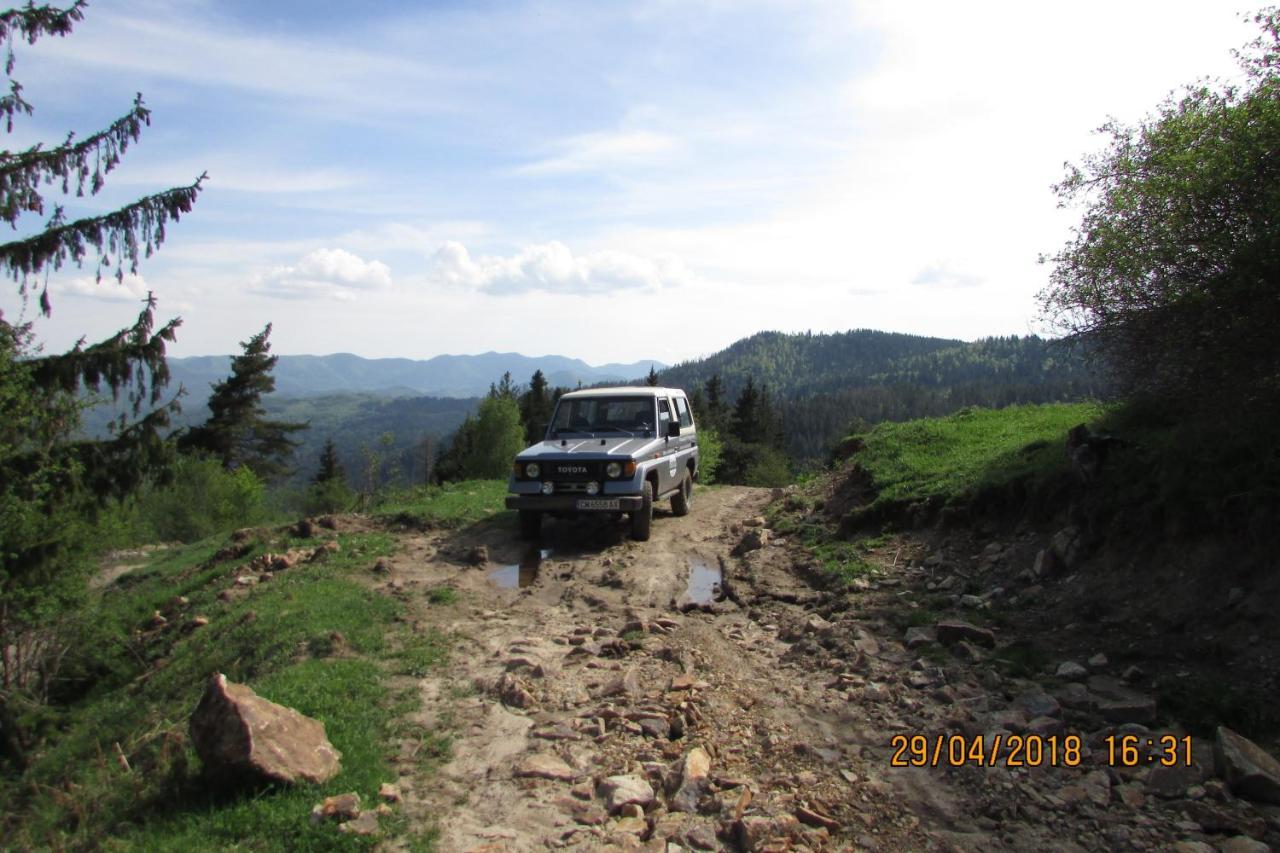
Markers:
823,383
441,376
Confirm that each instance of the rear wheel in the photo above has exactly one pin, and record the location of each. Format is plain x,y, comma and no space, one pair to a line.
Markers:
642,518
530,524
683,499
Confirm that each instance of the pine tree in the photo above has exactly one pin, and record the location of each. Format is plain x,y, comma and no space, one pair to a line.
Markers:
652,379
535,407
52,482
330,468
237,432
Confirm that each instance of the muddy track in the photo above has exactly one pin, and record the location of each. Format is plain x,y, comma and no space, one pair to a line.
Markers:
596,659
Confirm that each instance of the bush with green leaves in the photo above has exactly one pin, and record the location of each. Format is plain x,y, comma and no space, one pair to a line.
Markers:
203,498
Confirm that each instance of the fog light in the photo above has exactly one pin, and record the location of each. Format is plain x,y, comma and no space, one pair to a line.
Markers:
548,487
593,488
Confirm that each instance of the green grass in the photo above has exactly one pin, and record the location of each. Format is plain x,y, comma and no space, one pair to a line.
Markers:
450,505
314,638
953,457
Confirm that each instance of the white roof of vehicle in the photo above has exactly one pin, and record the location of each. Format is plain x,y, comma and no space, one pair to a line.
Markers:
632,390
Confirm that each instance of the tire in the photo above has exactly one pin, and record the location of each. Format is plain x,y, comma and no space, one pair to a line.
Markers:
642,519
683,499
530,524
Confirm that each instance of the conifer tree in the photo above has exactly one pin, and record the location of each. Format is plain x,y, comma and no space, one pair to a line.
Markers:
52,482
237,431
330,468
535,407
652,379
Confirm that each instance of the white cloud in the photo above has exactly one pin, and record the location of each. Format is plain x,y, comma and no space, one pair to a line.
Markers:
608,151
132,289
334,273
553,268
940,275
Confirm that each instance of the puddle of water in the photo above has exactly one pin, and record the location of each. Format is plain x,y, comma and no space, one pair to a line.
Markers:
704,582
521,574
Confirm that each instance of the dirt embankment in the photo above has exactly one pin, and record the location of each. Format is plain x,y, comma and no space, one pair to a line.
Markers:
604,692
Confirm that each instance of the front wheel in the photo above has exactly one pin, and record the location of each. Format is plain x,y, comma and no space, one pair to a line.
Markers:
530,524
683,499
642,518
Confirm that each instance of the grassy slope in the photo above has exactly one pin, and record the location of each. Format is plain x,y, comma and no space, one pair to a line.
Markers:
933,460
950,458
280,639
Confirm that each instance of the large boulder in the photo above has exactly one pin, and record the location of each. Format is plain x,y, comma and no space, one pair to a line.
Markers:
1250,771
240,735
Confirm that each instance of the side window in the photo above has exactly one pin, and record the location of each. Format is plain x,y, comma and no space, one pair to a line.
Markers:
664,415
682,408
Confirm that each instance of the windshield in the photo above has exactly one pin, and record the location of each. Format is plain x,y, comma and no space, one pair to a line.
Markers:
632,415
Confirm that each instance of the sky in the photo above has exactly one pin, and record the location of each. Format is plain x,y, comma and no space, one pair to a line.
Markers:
607,181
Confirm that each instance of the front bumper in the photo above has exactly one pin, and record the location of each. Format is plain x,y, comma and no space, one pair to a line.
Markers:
575,503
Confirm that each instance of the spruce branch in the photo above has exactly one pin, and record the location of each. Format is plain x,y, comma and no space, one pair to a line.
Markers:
134,230
85,162
30,22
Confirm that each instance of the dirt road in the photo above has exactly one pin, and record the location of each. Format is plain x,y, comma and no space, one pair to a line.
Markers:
605,693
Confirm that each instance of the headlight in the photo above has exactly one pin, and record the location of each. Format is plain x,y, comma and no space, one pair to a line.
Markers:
613,469
548,487
532,470
593,488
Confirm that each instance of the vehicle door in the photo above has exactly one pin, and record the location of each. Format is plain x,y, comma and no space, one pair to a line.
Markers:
688,438
667,464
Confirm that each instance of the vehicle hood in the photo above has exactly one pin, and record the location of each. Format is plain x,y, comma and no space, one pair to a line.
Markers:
575,447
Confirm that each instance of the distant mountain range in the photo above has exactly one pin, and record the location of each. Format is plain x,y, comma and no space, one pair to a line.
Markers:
442,376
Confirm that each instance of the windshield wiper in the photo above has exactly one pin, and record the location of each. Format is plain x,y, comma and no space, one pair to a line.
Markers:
603,427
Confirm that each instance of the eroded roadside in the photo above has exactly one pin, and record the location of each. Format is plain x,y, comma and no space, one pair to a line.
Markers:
595,702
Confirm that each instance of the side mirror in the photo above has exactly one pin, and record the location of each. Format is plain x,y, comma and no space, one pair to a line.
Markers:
673,429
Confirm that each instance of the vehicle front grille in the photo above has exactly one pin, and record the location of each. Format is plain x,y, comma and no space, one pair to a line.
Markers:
573,472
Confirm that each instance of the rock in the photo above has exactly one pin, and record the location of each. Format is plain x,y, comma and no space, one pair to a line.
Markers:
1214,818
620,790
1071,671
951,631
1235,595
1133,674
389,792
753,540
755,831
513,691
1045,727
337,807
971,602
1067,546
631,810
1098,661
197,622
1076,696
239,734
701,837
1249,770
627,684
381,567
1119,703
757,521
920,636
813,817
365,824
966,652
1131,795
1037,703
544,766
478,556
1171,783
658,728
246,580
695,771
1242,844
304,529
632,826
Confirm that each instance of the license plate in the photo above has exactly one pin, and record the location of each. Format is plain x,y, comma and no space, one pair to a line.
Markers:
599,504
